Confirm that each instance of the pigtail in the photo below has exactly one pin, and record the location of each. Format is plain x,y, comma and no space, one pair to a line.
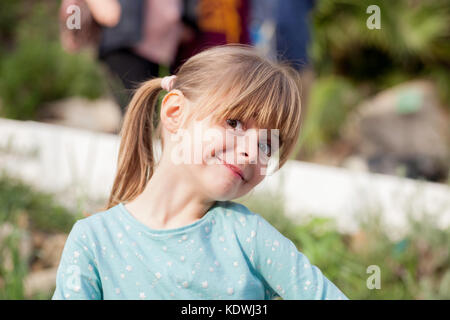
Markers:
136,159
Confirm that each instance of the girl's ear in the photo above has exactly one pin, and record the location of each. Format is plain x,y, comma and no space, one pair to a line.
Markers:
173,109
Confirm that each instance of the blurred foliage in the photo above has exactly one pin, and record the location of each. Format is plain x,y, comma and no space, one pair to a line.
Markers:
45,214
413,42
34,69
414,267
11,279
413,35
20,202
9,12
330,100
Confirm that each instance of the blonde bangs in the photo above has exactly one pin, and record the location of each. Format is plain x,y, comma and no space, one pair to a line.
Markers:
226,82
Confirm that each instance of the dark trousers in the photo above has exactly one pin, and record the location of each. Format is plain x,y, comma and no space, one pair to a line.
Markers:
131,69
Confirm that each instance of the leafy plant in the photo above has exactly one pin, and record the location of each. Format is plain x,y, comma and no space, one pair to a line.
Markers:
414,267
20,202
9,14
413,34
17,198
35,69
11,277
349,58
331,99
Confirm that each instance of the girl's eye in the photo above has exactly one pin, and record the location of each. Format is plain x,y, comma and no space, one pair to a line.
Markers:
235,123
265,147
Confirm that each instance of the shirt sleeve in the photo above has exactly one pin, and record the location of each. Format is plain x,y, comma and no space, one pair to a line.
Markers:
287,271
77,277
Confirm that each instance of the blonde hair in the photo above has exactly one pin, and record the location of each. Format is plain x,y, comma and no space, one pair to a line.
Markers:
229,82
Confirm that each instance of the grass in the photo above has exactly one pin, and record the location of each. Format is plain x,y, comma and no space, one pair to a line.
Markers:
25,210
416,266
45,214
11,286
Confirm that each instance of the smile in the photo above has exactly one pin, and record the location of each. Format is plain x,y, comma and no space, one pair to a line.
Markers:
235,170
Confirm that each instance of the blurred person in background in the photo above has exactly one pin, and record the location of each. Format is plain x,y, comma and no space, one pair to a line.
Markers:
293,31
136,36
209,23
293,35
281,30
146,36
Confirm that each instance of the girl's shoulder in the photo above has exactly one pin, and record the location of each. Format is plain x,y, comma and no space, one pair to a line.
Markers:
245,219
100,220
232,208
239,214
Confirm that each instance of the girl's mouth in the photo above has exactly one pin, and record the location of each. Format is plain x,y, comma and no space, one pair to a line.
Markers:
235,170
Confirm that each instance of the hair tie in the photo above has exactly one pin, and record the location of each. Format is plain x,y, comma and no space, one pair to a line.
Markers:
167,82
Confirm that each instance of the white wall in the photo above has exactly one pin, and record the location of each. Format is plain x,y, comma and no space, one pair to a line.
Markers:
77,163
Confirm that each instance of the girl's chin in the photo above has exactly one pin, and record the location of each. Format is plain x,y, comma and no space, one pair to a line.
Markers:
222,187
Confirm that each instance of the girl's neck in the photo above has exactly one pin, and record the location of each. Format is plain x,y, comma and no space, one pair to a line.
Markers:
168,201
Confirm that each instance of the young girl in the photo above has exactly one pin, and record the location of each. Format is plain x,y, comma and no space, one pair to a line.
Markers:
170,230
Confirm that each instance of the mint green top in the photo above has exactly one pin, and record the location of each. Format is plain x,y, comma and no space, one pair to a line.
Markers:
230,253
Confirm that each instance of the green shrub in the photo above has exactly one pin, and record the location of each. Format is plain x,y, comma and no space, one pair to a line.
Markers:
413,34
415,267
11,286
349,57
330,100
40,72
36,70
43,210
18,201
9,15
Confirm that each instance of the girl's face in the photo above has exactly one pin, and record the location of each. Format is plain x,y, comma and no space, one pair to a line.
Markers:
226,159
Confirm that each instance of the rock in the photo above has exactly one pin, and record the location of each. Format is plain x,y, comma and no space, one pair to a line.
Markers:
402,129
102,115
40,281
355,163
333,154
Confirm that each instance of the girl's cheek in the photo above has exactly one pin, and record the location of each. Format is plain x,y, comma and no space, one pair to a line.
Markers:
212,149
258,174
209,154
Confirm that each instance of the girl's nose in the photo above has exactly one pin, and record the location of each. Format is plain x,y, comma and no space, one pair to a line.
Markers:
247,150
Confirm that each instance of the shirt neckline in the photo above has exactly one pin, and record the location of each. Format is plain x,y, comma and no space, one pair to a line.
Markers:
171,231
